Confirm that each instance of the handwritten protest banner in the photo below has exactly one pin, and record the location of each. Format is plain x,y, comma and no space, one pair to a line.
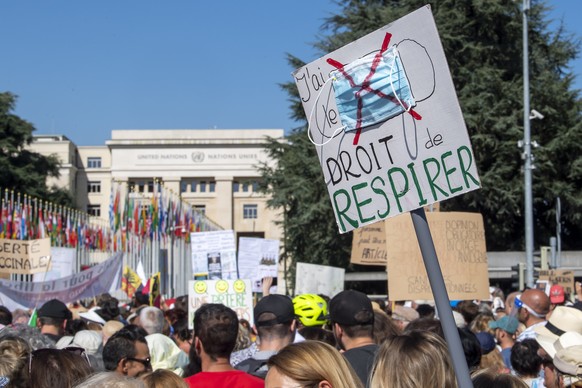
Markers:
563,277
319,279
369,245
459,239
389,132
236,294
25,257
214,254
94,281
257,258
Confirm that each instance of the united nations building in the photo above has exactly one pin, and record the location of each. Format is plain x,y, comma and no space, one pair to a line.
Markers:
215,171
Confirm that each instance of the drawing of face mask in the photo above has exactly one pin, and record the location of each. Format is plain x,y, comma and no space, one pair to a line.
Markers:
368,91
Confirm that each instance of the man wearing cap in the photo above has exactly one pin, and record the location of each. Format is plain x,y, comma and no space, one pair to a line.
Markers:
557,296
52,319
532,307
352,320
505,328
275,326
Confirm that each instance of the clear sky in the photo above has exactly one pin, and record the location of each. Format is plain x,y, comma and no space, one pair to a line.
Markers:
84,68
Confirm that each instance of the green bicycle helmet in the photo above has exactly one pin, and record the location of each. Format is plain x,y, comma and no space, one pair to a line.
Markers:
311,309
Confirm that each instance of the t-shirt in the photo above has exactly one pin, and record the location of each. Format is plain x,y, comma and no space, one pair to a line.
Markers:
362,359
506,354
228,379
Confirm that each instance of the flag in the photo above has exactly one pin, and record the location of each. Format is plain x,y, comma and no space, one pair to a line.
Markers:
130,281
155,290
33,318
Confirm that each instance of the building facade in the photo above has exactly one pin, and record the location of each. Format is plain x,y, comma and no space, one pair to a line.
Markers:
216,171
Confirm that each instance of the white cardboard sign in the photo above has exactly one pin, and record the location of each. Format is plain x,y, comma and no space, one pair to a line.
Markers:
386,122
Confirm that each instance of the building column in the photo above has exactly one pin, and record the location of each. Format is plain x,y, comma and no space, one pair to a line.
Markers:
225,201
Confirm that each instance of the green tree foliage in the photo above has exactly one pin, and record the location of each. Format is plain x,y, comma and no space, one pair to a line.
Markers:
483,44
21,169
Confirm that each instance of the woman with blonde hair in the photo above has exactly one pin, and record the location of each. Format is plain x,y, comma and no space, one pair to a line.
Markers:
310,364
163,378
414,359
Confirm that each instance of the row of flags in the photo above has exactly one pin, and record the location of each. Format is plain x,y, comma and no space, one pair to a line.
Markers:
154,216
23,217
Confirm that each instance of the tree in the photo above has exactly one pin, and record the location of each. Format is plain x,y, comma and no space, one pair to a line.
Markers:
21,169
483,44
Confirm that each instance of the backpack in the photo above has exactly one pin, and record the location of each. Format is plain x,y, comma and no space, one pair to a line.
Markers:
257,368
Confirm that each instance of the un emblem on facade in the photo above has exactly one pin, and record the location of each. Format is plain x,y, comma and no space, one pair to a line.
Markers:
197,157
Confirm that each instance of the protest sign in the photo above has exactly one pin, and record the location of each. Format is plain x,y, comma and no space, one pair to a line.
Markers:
319,279
563,277
257,258
459,239
389,132
232,293
369,245
25,257
94,281
214,254
62,265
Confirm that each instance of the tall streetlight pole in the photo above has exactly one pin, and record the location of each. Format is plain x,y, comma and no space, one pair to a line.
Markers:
529,235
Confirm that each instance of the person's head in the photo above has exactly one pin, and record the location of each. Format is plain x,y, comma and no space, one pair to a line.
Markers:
403,315
182,335
384,327
111,380
310,309
110,328
557,295
162,378
140,299
415,359
53,316
471,348
352,316
533,305
491,378
14,353
481,323
318,334
127,353
152,319
425,310
525,359
563,319
109,309
310,364
468,309
275,319
50,368
165,354
428,324
5,316
215,331
568,365
504,328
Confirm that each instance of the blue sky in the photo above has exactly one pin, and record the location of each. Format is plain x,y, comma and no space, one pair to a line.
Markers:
83,69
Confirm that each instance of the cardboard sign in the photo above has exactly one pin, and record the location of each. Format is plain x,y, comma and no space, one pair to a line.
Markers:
257,258
214,254
235,294
389,132
369,245
564,278
459,240
319,279
25,257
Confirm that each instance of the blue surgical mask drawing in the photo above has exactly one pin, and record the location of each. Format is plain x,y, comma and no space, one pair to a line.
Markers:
371,90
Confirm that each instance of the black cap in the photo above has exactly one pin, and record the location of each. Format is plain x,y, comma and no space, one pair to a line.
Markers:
54,308
280,305
351,308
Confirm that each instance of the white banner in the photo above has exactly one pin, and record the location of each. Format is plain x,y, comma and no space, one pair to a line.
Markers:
319,279
85,284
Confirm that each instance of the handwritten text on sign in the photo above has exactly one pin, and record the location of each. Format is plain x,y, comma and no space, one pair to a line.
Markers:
25,257
388,128
459,240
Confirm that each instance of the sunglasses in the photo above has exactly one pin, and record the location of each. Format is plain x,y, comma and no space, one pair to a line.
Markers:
72,349
147,363
519,304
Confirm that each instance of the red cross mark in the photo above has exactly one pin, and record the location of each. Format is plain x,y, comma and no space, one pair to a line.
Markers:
365,87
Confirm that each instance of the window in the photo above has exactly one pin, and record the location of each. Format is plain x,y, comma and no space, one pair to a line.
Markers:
235,186
200,209
94,162
94,210
184,187
212,186
94,187
249,211
245,186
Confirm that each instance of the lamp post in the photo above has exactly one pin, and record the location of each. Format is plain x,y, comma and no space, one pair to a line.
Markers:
529,235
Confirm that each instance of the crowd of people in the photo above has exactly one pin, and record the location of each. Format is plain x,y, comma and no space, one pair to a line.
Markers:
527,339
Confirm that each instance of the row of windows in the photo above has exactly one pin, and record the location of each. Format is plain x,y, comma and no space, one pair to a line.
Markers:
196,186
249,211
186,186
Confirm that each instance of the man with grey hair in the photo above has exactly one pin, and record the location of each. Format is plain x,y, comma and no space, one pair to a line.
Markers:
151,319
